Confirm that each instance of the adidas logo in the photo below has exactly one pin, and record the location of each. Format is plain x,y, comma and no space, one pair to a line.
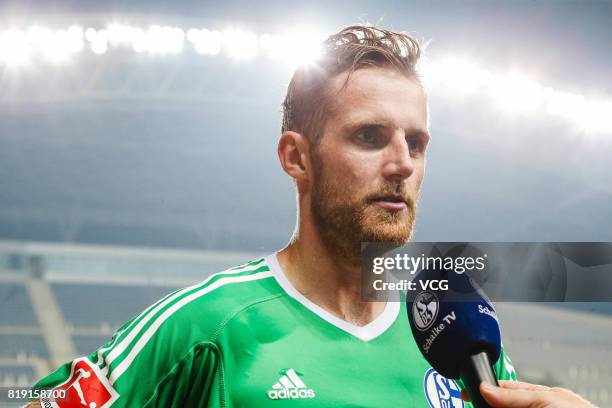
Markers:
290,386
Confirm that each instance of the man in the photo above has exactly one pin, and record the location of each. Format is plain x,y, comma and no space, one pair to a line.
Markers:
291,329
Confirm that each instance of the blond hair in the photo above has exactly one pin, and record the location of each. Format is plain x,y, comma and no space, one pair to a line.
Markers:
352,48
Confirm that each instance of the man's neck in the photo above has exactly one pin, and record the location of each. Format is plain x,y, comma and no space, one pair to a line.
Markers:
327,280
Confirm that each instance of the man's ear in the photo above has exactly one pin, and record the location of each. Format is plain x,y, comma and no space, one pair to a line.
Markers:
294,156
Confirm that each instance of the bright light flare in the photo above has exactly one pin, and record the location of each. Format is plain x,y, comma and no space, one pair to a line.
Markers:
597,117
297,48
515,93
15,49
458,76
59,45
593,117
155,39
38,35
205,42
98,41
240,44
120,34
90,34
164,40
139,40
99,47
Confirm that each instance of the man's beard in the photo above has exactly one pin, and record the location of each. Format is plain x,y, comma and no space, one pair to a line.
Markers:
345,221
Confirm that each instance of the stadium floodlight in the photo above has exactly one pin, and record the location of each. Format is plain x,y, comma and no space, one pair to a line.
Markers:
303,46
37,35
453,76
193,35
15,49
176,40
297,48
240,44
75,38
60,44
159,40
271,45
99,47
120,34
139,40
155,39
90,34
515,93
206,42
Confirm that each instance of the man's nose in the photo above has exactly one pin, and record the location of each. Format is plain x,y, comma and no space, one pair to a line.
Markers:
399,165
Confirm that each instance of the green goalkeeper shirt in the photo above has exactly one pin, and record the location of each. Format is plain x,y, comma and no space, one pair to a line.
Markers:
245,337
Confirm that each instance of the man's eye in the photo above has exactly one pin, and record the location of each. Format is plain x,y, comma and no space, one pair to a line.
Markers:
415,144
367,135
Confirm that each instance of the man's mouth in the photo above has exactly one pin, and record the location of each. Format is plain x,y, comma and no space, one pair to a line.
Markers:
391,202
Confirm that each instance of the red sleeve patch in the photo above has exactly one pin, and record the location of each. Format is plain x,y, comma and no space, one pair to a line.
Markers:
86,387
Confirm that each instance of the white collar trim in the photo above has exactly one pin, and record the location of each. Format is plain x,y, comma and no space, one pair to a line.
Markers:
366,333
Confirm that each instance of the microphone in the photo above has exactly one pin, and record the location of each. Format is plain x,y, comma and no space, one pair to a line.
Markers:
456,328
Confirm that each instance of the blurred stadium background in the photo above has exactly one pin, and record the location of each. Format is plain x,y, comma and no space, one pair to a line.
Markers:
137,154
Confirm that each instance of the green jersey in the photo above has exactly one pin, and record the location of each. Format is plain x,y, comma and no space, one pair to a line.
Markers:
245,337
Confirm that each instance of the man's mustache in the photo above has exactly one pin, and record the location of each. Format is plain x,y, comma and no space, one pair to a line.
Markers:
395,192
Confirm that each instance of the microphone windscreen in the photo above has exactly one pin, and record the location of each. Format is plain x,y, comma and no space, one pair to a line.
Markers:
451,323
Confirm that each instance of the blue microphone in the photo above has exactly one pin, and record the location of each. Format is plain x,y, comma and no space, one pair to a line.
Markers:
456,328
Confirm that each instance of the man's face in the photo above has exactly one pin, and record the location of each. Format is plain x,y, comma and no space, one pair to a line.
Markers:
369,163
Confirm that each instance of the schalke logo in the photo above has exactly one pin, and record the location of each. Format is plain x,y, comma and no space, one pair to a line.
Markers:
424,310
440,391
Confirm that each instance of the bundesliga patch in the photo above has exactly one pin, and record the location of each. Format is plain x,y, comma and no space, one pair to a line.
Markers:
86,387
440,391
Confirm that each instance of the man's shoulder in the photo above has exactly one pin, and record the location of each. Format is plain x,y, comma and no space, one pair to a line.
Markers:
192,317
235,287
178,328
207,305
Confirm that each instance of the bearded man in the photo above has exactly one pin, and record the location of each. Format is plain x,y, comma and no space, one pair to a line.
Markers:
292,329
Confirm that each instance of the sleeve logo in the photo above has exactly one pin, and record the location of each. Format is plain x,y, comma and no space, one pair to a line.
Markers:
86,387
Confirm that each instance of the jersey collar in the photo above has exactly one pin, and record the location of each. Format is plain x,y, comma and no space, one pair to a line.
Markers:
366,333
